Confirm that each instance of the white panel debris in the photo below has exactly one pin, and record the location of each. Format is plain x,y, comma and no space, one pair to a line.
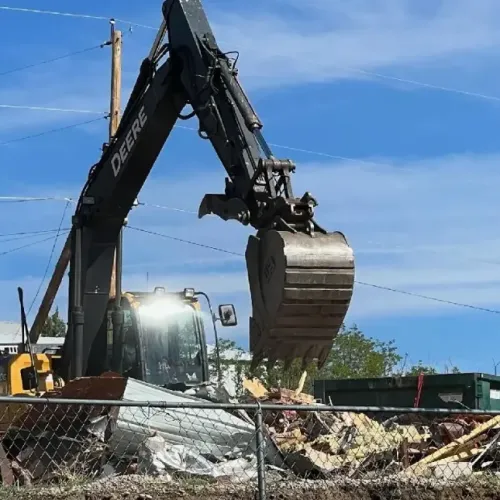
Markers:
212,433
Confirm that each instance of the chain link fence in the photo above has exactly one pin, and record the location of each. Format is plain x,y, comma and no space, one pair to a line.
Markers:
124,449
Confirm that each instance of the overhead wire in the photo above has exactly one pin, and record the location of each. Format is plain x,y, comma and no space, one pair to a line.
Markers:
363,283
52,131
17,238
230,252
174,238
47,108
307,151
75,15
424,84
54,59
355,70
163,207
22,199
29,233
31,244
51,255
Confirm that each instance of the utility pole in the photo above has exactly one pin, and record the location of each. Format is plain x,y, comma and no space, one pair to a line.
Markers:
116,273
65,257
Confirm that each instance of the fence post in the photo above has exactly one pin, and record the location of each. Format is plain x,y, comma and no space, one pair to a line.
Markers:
261,456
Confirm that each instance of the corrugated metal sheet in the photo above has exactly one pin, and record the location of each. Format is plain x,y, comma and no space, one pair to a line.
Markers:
209,431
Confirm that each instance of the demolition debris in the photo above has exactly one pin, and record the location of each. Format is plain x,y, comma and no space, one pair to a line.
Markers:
44,443
325,444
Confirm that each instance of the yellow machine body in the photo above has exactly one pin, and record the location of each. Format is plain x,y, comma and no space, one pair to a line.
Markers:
11,379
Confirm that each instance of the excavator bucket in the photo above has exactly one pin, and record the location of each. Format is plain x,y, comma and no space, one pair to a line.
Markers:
301,287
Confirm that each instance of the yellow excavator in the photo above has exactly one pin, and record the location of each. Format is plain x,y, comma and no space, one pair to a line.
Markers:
164,343
300,275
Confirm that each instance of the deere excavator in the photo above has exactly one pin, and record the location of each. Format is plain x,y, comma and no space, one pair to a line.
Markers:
300,275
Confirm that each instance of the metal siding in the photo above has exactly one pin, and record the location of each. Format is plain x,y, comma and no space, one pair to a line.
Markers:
210,432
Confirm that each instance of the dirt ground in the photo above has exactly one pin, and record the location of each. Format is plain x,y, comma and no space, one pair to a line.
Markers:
148,488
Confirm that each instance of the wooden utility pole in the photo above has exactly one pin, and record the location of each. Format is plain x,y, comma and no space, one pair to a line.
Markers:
65,257
116,273
114,121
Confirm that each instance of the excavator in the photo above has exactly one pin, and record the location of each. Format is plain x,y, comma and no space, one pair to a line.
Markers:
300,276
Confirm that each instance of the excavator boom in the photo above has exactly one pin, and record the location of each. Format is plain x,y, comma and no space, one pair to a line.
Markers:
301,277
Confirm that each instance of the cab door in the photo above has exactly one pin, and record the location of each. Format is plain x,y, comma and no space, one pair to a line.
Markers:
130,351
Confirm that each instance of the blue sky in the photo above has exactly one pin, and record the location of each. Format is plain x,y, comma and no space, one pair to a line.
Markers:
416,192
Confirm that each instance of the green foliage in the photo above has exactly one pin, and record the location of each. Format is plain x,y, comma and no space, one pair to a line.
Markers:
54,326
420,368
427,370
353,355
230,358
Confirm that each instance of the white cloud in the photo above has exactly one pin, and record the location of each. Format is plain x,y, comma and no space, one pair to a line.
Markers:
296,43
423,227
305,42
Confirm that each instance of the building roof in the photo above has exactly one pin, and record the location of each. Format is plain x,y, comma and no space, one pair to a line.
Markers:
10,332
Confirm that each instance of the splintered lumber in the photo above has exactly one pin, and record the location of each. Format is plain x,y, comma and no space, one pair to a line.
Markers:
450,448
302,381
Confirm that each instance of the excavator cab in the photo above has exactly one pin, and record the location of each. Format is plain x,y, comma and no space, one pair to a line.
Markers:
163,337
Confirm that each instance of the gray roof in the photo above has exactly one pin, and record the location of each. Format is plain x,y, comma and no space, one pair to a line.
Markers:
10,331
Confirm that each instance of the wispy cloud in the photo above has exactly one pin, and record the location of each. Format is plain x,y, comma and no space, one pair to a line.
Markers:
423,227
297,43
323,40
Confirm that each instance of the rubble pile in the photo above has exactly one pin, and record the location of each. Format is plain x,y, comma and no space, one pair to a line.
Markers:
324,443
45,443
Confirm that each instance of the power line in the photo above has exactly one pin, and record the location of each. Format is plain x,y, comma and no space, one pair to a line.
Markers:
26,233
423,84
58,58
17,238
50,256
163,207
183,240
51,131
356,70
307,151
45,108
363,283
444,301
70,14
33,243
23,199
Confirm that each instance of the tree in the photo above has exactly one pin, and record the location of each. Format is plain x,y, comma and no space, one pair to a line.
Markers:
54,326
419,368
233,366
353,355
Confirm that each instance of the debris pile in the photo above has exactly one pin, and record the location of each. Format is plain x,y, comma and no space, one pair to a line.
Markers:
324,443
46,443
51,442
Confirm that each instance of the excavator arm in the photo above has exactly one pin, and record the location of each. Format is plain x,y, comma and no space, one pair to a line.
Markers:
301,277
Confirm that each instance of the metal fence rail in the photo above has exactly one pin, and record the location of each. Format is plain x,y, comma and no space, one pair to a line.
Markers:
248,450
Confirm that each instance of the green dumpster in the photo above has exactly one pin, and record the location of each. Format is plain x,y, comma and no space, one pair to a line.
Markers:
478,391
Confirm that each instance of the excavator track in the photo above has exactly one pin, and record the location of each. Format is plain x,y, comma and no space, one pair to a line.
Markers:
301,288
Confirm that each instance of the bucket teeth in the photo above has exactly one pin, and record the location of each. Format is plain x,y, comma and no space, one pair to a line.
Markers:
301,288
